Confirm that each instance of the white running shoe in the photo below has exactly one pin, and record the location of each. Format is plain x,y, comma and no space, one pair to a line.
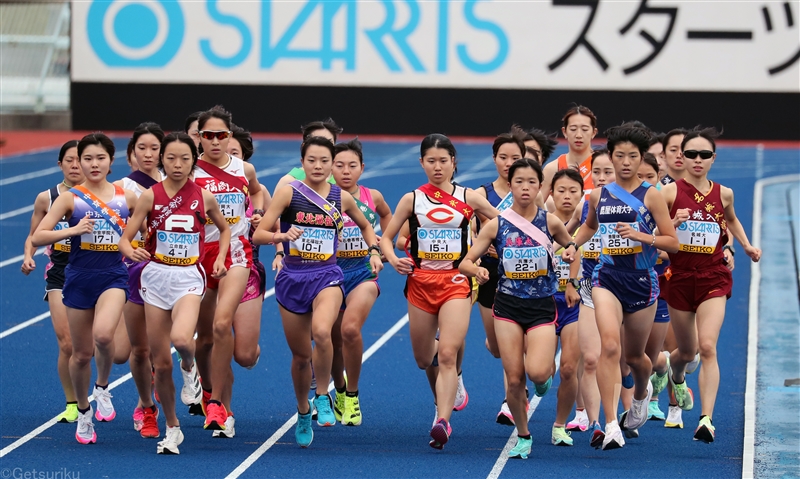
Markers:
191,392
462,398
105,410
674,418
636,416
85,433
613,439
229,431
505,417
693,364
172,440
580,422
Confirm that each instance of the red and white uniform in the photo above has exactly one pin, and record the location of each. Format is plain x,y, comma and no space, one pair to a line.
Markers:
233,204
175,241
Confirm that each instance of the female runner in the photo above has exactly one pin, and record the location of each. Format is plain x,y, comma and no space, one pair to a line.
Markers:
579,128
96,279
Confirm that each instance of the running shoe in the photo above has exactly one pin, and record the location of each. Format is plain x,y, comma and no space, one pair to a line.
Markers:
70,414
138,418
613,438
325,415
85,433
191,392
150,422
681,393
255,363
560,437
204,401
636,416
105,410
216,415
522,449
303,433
598,436
352,411
654,413
338,406
704,431
674,417
504,417
580,422
230,428
172,439
462,398
659,381
541,389
440,434
693,364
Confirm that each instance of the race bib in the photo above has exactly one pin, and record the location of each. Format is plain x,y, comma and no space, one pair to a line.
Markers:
525,263
181,249
614,244
562,272
591,249
315,244
352,244
138,241
439,243
103,238
62,245
232,206
698,236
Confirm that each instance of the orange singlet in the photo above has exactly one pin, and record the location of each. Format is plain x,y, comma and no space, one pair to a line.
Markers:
585,170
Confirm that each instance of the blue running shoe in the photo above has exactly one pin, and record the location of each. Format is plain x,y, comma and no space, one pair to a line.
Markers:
303,433
654,413
522,449
541,389
598,435
325,416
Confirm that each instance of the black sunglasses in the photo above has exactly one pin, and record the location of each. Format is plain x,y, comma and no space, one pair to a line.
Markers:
210,134
704,154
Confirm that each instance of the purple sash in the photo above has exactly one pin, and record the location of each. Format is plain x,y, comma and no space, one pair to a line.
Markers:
320,202
143,179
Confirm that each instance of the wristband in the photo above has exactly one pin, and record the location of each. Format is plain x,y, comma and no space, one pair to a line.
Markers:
258,212
571,243
375,248
280,253
729,248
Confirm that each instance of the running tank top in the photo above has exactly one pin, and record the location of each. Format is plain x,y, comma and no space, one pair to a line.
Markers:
100,248
667,179
562,269
319,242
585,169
176,226
439,234
702,236
617,251
59,251
300,174
353,251
130,184
232,200
525,270
590,251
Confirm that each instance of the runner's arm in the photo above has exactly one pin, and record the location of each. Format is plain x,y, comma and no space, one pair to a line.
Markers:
135,223
216,216
280,202
62,207
735,227
39,212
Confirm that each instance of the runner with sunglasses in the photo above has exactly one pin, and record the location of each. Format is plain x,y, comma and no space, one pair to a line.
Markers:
58,255
439,296
625,286
309,288
698,283
524,308
96,279
172,281
233,183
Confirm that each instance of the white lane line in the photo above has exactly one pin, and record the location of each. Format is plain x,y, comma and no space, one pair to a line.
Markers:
17,259
16,212
748,453
19,442
512,440
288,424
28,176
24,325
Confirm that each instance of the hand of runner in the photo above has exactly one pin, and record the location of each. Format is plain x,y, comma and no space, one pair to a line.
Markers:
291,235
403,265
255,220
491,251
626,231
219,269
572,296
84,226
753,252
139,255
277,263
730,262
482,275
568,255
681,216
28,265
376,262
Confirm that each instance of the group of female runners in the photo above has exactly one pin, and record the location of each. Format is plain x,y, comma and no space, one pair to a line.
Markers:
623,253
